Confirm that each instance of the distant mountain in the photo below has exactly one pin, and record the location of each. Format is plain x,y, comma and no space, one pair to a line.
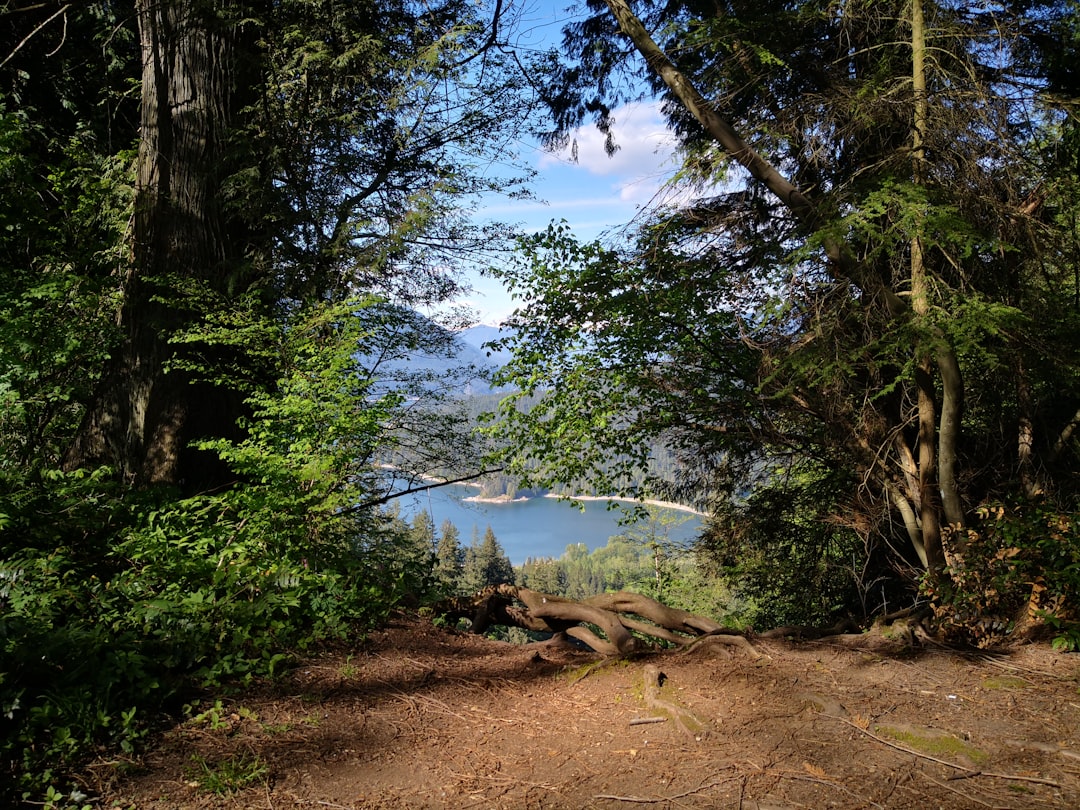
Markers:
414,350
479,336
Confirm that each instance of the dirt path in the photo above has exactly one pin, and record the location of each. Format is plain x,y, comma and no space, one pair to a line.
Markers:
420,718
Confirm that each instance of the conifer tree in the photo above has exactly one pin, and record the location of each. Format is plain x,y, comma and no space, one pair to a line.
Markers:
486,563
449,558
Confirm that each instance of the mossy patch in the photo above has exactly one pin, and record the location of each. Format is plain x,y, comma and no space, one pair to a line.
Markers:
1005,682
575,674
933,742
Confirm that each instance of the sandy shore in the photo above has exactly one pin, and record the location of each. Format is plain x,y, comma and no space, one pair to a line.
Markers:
497,499
507,499
648,502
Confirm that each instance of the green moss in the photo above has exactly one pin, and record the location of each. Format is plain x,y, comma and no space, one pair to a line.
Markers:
1005,682
575,674
932,742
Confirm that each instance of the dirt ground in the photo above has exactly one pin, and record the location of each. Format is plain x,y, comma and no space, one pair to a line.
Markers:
418,717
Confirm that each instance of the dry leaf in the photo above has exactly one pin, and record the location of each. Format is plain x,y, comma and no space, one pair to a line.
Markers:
814,770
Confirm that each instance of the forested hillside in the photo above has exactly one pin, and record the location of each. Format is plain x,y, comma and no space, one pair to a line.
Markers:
854,337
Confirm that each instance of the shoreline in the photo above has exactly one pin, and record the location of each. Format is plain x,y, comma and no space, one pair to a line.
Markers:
504,498
678,507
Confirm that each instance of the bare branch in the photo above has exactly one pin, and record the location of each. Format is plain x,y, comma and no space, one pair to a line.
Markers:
62,10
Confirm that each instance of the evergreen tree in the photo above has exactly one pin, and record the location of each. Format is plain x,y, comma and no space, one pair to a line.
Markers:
881,314
486,563
545,575
449,559
423,531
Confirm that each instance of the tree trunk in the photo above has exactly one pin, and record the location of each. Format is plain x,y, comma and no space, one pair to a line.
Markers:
929,507
144,416
935,490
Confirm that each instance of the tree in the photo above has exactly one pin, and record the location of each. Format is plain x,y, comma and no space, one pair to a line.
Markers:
220,221
195,85
545,575
287,152
485,563
449,558
862,302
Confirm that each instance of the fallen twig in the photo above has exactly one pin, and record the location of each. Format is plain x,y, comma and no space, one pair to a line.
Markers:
661,799
641,721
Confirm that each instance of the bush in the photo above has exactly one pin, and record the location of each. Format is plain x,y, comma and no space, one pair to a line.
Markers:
115,603
785,559
1015,572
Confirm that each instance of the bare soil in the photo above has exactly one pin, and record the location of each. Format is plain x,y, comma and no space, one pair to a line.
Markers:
420,717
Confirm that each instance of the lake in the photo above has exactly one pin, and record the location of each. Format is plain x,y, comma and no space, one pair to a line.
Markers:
538,527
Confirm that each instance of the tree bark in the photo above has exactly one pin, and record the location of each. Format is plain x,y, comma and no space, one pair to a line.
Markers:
929,506
143,416
611,613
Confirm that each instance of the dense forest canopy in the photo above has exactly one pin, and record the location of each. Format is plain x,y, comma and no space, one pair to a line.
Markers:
859,336
867,315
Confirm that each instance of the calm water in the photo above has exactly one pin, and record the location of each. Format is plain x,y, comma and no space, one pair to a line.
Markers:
538,527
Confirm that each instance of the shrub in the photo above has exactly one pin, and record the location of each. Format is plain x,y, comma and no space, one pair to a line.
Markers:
1015,572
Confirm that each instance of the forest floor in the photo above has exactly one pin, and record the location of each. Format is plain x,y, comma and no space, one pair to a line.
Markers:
419,717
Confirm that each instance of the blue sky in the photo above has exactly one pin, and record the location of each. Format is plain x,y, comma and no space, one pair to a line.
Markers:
597,194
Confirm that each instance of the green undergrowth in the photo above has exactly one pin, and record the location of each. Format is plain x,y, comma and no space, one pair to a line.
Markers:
228,775
117,607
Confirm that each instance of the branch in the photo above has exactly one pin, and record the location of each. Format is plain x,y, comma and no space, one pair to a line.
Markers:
1065,435
63,10
413,490
490,42
760,169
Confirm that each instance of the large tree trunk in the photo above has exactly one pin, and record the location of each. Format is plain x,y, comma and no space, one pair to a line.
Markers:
927,493
144,416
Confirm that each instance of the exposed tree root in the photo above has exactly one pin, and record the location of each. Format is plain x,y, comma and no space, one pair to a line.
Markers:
614,624
689,723
800,632
624,623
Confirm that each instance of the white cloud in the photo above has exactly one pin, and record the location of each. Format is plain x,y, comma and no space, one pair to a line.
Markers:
596,195
646,146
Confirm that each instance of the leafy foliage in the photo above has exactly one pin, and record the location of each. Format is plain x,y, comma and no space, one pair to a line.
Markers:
1015,572
900,348
116,601
55,325
790,560
597,346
